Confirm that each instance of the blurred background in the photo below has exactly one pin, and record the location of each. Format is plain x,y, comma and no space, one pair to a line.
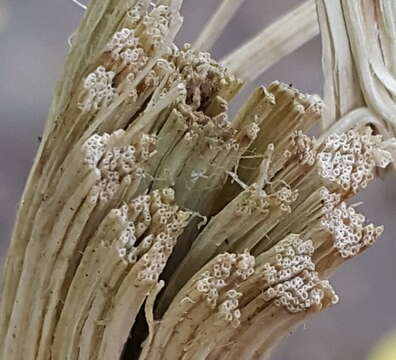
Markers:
33,43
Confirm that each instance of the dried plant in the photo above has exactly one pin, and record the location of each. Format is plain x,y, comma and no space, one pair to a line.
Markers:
359,63
154,227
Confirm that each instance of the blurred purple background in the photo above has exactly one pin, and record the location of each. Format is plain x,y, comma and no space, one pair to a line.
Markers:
33,47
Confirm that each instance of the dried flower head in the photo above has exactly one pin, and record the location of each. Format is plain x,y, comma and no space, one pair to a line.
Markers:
160,216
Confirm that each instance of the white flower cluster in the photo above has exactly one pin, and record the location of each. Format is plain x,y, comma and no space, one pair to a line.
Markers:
223,267
117,162
292,279
257,200
139,213
245,265
202,74
215,131
213,280
135,14
94,149
199,62
285,197
329,200
157,24
253,199
228,309
172,224
350,236
128,239
350,159
153,225
98,90
125,45
154,261
304,148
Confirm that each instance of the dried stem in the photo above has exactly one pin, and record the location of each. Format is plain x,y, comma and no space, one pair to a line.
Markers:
276,41
217,23
142,183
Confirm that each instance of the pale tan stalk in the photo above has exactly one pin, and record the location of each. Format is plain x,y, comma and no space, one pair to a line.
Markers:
98,234
217,23
276,41
358,61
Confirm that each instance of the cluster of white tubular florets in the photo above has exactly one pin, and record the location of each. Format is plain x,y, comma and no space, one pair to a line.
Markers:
117,162
223,267
146,147
156,24
196,64
145,30
245,265
292,279
120,159
284,197
304,147
253,199
350,159
98,90
229,310
121,213
256,199
203,126
154,261
128,239
139,213
212,281
172,223
153,20
202,74
329,199
153,224
350,235
94,149
124,45
135,14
